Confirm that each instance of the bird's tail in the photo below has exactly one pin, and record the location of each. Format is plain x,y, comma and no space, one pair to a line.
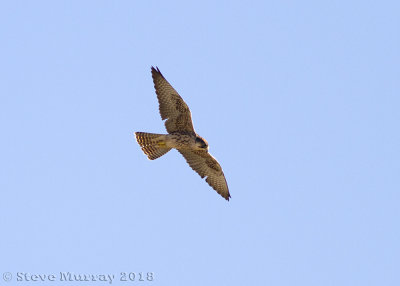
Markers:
153,145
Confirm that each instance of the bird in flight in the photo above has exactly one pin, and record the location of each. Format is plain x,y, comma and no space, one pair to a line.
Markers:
181,136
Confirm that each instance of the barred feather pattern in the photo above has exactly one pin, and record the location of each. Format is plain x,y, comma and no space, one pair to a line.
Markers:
153,145
181,136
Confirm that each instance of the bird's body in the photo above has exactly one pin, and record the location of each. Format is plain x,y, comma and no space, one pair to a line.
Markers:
181,136
183,141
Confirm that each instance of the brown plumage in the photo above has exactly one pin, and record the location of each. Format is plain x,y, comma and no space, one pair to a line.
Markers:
152,144
182,136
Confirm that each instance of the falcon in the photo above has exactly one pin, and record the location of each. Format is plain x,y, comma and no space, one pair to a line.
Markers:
181,136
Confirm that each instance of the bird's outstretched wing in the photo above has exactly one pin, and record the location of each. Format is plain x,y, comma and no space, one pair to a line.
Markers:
206,166
172,106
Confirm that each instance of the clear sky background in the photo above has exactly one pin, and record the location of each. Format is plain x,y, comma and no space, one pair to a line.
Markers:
299,101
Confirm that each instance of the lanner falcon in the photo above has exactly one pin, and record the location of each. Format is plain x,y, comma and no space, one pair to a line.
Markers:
181,136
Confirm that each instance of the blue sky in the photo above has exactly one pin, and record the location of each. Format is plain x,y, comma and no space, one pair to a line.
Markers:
299,101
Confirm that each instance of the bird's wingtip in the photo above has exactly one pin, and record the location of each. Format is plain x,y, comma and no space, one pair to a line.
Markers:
155,69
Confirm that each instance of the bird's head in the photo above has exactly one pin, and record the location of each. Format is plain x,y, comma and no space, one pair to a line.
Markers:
201,143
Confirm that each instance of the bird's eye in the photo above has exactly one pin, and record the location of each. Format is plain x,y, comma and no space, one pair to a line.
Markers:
201,142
